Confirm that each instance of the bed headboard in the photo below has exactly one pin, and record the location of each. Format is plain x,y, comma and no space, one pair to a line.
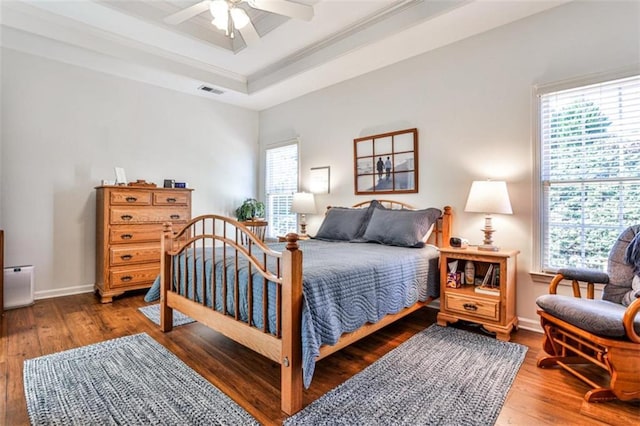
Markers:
442,229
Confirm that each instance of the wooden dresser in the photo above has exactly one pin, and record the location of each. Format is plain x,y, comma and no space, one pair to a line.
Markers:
128,230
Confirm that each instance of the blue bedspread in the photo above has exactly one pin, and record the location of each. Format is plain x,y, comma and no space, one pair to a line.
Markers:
345,285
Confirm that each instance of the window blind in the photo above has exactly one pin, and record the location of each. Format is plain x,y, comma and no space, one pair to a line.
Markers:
590,170
281,181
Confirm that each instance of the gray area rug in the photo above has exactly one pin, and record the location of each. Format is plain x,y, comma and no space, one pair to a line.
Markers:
441,376
153,313
126,381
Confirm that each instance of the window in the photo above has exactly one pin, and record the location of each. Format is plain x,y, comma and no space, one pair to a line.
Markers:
589,147
281,181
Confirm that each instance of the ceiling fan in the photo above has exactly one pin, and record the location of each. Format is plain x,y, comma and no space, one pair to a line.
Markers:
229,17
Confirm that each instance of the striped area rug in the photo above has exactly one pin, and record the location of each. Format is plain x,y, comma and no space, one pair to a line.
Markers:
441,376
131,380
153,313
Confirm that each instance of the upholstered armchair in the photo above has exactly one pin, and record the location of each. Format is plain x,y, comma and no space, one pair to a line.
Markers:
606,332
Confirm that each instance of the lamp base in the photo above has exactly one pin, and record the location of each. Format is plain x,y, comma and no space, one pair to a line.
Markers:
487,247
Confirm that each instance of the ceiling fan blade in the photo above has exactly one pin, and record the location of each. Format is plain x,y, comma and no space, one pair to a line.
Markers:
249,34
187,13
284,7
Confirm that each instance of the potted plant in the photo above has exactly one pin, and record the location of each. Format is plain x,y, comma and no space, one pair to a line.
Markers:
250,209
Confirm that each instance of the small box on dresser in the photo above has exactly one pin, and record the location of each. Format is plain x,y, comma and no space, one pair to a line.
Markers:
495,308
129,222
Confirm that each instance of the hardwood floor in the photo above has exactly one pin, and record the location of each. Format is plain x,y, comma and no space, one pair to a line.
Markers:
536,397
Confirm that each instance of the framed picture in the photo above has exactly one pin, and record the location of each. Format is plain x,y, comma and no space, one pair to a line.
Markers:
320,180
121,178
386,163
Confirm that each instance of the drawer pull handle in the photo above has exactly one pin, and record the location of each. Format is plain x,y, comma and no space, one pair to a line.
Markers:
175,216
126,278
126,236
126,257
171,200
131,199
470,307
126,217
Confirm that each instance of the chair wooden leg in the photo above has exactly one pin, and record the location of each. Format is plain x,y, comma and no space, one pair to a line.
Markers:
618,359
552,361
624,366
599,395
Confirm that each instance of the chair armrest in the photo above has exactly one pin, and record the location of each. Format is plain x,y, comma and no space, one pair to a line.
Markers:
628,319
590,276
585,275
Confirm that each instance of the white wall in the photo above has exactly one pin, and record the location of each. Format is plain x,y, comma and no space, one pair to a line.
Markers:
64,128
473,107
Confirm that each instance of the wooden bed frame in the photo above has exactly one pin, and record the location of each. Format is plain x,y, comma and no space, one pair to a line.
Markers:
284,346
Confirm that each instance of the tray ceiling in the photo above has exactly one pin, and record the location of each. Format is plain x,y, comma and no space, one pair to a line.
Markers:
345,38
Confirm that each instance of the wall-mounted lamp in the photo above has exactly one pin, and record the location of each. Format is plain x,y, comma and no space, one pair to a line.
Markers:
303,203
488,197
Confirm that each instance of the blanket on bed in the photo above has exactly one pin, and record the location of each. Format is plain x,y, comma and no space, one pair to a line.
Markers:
345,285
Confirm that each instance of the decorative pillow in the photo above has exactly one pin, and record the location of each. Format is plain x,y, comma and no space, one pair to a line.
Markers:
345,224
405,228
620,272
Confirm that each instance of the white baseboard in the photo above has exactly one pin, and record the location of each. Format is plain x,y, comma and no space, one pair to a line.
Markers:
67,291
529,324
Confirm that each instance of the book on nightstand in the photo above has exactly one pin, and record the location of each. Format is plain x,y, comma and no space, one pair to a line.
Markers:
487,290
491,282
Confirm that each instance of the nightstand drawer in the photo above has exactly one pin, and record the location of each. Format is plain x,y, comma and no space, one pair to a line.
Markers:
477,307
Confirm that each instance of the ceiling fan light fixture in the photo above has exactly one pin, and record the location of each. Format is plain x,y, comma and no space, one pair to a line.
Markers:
218,8
221,22
240,17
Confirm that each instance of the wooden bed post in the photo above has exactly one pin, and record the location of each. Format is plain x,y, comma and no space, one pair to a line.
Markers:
166,313
446,226
291,362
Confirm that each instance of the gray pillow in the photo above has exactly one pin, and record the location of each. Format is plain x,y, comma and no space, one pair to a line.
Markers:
405,228
345,224
620,272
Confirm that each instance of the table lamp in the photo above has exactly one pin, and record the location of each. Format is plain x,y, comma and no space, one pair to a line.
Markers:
303,203
488,197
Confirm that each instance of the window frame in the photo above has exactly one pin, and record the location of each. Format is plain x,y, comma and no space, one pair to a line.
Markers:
539,208
263,187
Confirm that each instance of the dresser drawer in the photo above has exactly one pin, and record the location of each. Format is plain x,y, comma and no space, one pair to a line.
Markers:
477,307
130,197
134,276
123,215
171,198
135,234
130,253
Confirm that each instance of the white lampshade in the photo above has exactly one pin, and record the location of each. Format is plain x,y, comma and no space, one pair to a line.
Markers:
488,196
303,202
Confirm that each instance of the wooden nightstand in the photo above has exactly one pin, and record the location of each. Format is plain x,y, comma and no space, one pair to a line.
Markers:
283,238
497,313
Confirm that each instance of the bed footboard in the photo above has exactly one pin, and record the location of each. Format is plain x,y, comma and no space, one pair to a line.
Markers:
218,272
